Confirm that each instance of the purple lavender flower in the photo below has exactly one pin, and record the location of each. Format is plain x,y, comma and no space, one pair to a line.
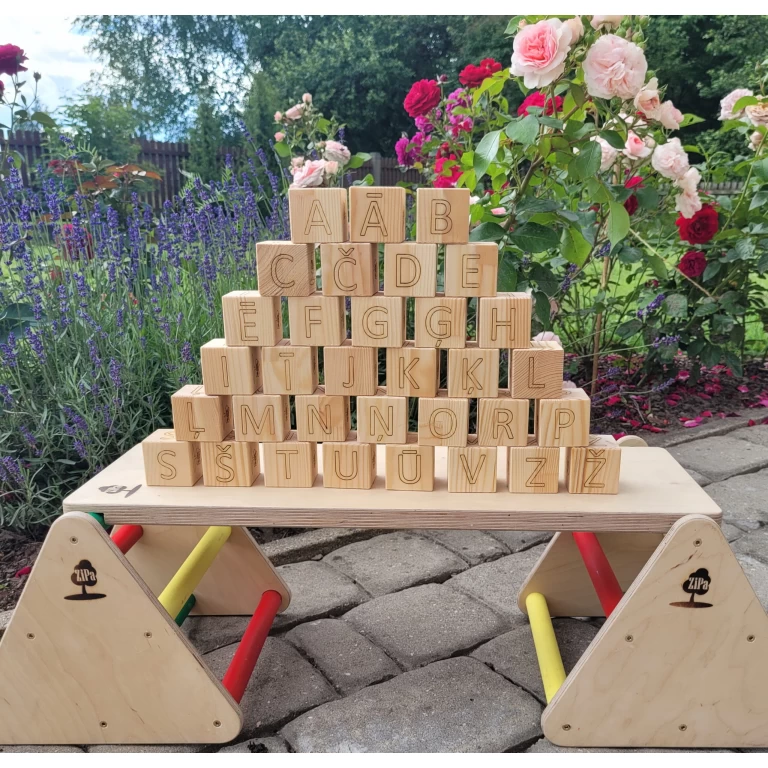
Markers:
8,351
10,471
115,371
651,307
36,343
5,393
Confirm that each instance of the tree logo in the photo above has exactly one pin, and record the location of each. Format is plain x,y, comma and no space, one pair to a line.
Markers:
84,575
696,584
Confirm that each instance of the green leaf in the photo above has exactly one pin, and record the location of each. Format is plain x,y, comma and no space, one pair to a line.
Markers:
551,122
713,267
722,323
618,223
544,278
574,247
587,162
689,119
630,255
656,264
488,231
542,308
323,124
282,149
734,363
744,101
676,305
507,275
356,161
44,119
628,329
534,238
761,169
529,206
648,197
485,153
706,307
710,355
577,94
760,199
614,138
523,131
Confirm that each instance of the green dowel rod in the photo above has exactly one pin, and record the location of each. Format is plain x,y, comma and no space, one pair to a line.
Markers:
185,610
99,518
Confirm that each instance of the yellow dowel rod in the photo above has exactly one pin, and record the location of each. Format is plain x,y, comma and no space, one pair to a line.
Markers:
192,570
547,651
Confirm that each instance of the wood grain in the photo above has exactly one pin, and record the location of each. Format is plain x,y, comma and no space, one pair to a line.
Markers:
289,370
317,320
473,372
382,418
537,372
318,215
564,421
410,466
472,469
349,269
533,469
504,321
290,464
349,465
443,420
200,417
261,418
229,463
440,322
594,469
169,461
413,371
502,420
378,321
442,215
229,370
350,370
471,269
376,214
285,269
410,269
321,417
251,320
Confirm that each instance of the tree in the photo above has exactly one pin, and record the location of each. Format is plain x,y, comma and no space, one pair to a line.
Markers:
205,140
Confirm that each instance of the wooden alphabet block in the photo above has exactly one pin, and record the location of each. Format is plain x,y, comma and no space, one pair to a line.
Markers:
442,215
261,418
168,461
251,320
290,464
376,214
413,371
410,467
472,469
289,370
318,215
502,420
349,464
199,417
321,417
504,321
228,463
351,370
317,320
229,370
410,269
443,420
471,269
441,322
382,418
378,321
473,372
533,469
349,269
594,468
537,372
564,421
285,269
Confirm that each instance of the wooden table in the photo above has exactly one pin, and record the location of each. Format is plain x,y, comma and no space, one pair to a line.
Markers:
654,492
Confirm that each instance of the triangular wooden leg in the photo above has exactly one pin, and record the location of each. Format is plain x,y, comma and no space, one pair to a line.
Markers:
681,662
560,574
91,657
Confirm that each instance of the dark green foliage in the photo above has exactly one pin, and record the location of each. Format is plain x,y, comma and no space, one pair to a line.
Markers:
205,140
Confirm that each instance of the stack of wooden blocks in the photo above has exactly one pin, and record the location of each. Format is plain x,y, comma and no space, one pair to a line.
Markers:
249,376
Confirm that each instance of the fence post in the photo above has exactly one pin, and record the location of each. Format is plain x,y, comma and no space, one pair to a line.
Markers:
376,168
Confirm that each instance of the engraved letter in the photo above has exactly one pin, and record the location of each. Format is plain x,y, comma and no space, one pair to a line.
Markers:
440,329
467,270
440,222
442,423
317,218
472,476
401,467
374,218
540,462
400,280
273,271
161,460
222,453
564,418
337,466
347,258
376,329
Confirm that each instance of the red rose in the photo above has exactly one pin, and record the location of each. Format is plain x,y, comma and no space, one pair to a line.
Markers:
473,75
693,264
536,99
700,228
631,204
445,182
423,96
11,59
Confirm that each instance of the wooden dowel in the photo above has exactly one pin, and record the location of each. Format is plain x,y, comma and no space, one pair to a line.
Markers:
547,650
125,536
603,578
186,609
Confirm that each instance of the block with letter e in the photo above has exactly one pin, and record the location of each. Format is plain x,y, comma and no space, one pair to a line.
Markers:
533,468
471,269
168,461
251,320
442,215
318,215
594,468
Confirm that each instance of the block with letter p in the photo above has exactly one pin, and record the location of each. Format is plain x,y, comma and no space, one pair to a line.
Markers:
564,421
442,215
377,214
285,269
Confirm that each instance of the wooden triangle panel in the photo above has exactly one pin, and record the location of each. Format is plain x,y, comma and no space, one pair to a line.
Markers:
90,657
681,662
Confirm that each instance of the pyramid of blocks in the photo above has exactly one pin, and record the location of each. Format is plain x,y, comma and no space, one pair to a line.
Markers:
250,376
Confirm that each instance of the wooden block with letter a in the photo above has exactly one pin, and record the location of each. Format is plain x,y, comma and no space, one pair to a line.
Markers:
261,418
229,370
318,215
290,464
471,269
472,469
382,419
442,215
413,371
285,269
443,420
321,417
594,468
230,463
504,321
502,420
317,320
350,370
441,322
564,421
349,464
537,372
410,467
251,320
410,269
473,372
378,321
289,370
376,214
533,468
201,417
168,461
349,269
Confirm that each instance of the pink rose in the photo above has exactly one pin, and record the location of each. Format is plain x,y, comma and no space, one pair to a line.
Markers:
310,174
670,116
635,148
614,67
336,151
278,116
728,102
608,153
688,203
548,336
295,112
539,52
647,100
758,113
670,160
331,167
754,140
307,98
606,22
279,136
576,25
297,162
501,211
689,181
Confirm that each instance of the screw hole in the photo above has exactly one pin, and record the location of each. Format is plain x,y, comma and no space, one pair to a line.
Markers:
629,638
73,539
682,727
103,723
750,638
147,635
217,723
30,635
697,543
566,727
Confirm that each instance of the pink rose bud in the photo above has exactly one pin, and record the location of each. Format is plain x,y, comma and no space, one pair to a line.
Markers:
278,116
279,136
307,98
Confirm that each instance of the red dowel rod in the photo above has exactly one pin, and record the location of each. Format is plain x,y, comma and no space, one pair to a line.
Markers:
603,578
125,536
243,662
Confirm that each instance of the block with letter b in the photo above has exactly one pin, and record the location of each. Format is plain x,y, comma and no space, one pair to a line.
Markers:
289,370
285,269
290,464
349,464
168,461
351,370
442,215
502,420
564,421
410,466
251,320
318,215
200,417
261,418
504,321
349,269
537,372
533,468
317,320
410,269
413,371
321,417
473,372
472,469
594,468
443,420
378,321
230,463
229,370
441,323
471,269
377,214
382,418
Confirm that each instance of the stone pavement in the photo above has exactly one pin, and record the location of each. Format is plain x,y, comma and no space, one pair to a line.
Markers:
411,641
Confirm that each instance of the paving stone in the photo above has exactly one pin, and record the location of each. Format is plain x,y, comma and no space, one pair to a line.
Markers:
47,748
743,498
423,624
721,457
456,705
706,429
514,655
757,434
317,591
757,573
309,544
473,546
344,656
283,686
265,745
498,583
731,532
5,620
395,561
545,746
113,749
517,541
699,478
207,633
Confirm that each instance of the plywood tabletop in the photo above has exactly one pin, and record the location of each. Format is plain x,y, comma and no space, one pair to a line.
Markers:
654,492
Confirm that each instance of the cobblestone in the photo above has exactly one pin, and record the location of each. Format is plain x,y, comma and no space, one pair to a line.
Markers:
207,633
265,745
473,546
308,544
517,541
757,434
743,499
721,457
